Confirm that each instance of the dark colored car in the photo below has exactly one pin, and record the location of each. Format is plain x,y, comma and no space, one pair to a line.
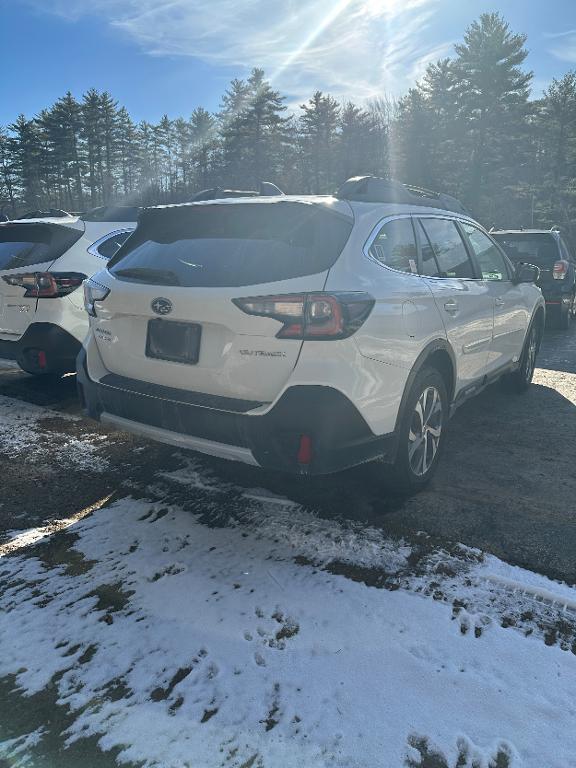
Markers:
548,250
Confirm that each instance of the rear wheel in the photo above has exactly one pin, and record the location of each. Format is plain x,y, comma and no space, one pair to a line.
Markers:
421,433
565,318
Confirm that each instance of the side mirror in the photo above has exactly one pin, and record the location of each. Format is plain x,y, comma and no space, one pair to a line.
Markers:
527,273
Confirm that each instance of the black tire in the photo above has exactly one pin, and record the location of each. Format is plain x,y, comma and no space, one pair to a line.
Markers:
409,473
519,381
565,319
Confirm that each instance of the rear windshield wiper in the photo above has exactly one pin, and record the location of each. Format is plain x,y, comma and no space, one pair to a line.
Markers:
146,275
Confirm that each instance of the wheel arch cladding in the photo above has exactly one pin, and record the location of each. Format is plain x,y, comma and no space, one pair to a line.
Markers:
439,355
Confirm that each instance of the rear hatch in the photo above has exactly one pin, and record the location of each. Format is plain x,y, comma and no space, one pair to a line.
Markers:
541,249
26,248
170,318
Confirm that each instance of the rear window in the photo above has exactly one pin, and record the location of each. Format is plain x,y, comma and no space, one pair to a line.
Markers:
23,245
541,250
232,245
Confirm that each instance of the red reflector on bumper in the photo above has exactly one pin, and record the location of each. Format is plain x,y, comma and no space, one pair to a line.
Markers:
305,450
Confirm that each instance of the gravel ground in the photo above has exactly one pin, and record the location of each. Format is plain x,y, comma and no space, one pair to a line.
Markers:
505,487
506,483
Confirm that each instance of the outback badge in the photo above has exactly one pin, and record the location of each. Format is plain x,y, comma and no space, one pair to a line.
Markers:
161,306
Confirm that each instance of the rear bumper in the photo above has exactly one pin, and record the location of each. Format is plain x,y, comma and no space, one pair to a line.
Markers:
60,347
558,295
340,436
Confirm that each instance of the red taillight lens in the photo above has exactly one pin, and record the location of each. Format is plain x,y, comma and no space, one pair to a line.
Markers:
560,270
320,316
46,285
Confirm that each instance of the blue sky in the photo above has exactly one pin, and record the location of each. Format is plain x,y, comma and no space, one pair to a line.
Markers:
169,56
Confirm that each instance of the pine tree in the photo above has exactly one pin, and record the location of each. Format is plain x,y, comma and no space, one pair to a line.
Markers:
556,129
62,126
27,156
411,140
7,173
203,138
357,142
442,94
253,133
93,135
494,96
318,136
128,151
109,122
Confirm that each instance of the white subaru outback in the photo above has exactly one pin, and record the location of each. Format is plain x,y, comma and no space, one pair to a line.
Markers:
307,334
43,263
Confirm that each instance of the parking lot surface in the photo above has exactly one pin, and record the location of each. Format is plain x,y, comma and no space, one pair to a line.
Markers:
506,483
167,609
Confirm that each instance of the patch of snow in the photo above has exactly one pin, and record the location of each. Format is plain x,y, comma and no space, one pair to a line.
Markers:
21,432
16,752
228,653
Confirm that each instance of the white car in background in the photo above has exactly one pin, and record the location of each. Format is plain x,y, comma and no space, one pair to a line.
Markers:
43,263
307,334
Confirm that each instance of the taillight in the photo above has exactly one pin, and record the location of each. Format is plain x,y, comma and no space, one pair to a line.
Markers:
560,270
93,292
46,285
320,316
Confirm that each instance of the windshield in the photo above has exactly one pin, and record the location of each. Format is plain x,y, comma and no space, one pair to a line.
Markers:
233,244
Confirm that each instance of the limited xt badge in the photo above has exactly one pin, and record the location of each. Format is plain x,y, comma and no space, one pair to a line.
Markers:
261,353
161,306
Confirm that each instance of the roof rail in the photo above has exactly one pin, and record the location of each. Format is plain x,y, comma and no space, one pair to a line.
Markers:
266,189
373,189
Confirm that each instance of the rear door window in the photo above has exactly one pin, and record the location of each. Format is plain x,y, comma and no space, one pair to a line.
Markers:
395,246
446,244
23,245
232,244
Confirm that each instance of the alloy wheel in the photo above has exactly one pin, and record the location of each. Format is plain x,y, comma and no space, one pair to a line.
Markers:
425,431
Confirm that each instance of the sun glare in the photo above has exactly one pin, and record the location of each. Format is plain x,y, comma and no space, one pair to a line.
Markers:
326,21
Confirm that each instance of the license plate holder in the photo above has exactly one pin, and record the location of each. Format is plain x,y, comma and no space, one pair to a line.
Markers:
173,341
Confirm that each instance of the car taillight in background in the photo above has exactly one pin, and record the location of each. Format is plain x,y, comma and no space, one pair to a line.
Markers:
46,285
560,270
93,292
320,316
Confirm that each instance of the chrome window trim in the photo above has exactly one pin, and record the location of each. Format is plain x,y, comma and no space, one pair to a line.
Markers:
507,263
93,249
374,234
458,220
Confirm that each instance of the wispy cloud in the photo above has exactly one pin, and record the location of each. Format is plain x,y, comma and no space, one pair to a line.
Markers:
564,45
353,48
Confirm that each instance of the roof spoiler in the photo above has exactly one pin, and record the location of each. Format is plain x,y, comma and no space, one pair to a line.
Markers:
112,213
373,189
266,189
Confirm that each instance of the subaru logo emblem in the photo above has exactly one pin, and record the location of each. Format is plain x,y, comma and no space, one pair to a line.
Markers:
161,306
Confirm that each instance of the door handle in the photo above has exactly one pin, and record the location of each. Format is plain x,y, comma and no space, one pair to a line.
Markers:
451,306
499,302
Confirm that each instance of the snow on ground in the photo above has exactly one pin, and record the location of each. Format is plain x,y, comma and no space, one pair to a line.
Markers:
23,430
241,646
